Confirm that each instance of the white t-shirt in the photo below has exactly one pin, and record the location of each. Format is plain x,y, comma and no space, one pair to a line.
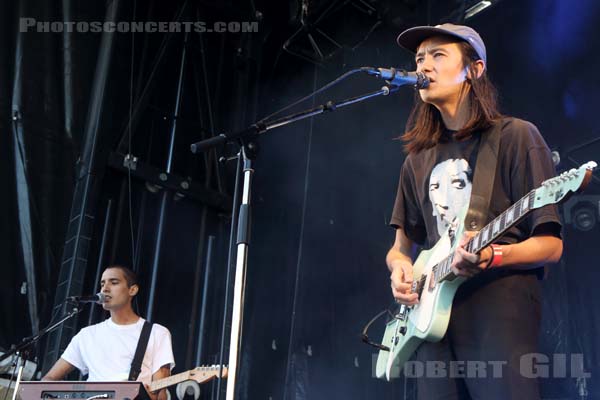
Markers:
105,351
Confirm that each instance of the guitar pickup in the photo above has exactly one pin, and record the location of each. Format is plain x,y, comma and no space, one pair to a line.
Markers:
420,285
432,283
402,313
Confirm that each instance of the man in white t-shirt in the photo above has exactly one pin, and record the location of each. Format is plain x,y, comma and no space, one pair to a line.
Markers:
105,351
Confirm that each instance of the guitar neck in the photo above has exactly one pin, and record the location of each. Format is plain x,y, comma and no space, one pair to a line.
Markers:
492,231
489,233
169,381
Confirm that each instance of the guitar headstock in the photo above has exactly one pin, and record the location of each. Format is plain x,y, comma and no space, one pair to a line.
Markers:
206,373
558,188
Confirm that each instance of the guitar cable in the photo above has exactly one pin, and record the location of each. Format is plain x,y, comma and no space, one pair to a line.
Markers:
365,338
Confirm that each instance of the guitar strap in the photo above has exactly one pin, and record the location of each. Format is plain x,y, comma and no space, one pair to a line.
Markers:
484,177
136,364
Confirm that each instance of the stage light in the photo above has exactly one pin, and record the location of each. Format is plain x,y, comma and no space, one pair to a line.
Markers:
584,217
477,8
582,212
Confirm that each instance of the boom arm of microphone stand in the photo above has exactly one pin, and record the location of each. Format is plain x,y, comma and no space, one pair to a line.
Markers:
223,138
259,128
28,341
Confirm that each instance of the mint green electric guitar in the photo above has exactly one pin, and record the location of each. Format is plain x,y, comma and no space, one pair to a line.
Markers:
436,285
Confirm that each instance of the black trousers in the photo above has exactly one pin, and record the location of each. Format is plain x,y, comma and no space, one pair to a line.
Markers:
495,321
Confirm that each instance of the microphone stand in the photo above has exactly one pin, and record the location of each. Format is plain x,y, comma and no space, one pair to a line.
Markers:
20,364
245,137
21,348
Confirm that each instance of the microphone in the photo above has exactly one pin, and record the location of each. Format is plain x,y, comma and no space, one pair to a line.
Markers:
98,298
399,77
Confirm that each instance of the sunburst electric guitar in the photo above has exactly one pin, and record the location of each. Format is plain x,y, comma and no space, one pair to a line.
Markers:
436,285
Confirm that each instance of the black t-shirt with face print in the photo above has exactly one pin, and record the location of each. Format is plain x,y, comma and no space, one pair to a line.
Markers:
435,184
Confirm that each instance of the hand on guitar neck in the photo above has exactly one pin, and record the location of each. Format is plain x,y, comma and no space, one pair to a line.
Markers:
470,264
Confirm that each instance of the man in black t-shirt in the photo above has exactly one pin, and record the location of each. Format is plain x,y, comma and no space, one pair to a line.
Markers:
496,313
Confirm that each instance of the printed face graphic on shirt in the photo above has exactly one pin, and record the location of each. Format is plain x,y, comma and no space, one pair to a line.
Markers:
449,191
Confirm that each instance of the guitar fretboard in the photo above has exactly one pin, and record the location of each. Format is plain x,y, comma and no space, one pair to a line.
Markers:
171,380
488,234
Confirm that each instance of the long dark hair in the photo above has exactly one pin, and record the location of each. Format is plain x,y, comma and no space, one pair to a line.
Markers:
425,125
